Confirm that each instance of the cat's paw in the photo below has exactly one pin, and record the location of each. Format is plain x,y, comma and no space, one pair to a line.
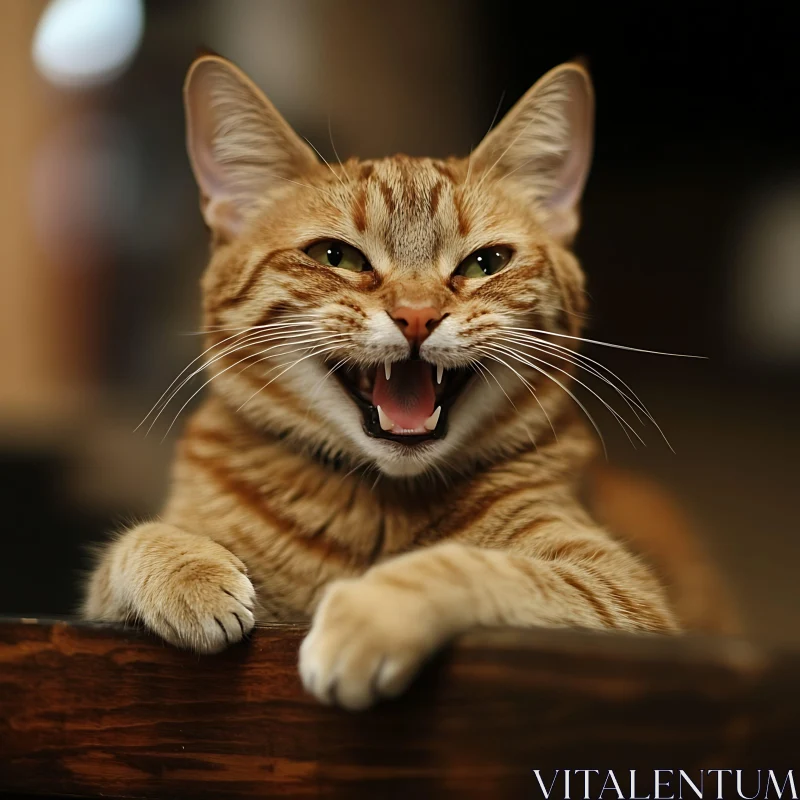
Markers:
203,602
367,641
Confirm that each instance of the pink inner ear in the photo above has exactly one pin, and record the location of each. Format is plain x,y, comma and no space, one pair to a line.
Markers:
202,129
575,169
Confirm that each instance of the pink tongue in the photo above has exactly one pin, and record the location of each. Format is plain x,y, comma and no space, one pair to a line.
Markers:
408,397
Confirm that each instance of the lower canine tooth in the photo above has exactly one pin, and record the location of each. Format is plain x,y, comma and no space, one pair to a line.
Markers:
439,373
387,368
432,420
383,418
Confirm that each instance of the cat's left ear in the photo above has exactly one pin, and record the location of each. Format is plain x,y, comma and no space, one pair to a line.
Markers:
240,147
544,146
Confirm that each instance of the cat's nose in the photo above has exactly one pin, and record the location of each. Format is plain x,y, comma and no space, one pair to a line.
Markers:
417,324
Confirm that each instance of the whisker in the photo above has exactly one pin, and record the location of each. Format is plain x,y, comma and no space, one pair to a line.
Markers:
491,125
247,341
602,344
327,338
330,372
315,352
624,424
295,319
532,390
333,146
632,399
195,360
333,172
513,404
502,155
564,354
222,372
571,394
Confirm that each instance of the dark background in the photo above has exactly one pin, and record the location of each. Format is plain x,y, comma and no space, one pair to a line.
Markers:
691,243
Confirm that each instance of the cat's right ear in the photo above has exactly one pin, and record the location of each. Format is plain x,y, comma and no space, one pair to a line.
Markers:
240,147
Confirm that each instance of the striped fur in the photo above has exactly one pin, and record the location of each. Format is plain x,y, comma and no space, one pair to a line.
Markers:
281,508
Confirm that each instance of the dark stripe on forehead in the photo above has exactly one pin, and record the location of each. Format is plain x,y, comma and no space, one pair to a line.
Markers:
360,209
366,172
388,196
243,291
444,170
464,226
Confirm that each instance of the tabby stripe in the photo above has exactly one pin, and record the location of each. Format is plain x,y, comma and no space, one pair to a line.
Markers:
444,170
645,616
473,514
388,197
360,210
250,497
250,281
464,226
564,572
585,550
528,526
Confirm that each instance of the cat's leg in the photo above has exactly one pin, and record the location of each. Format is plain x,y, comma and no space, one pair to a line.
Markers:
188,589
371,634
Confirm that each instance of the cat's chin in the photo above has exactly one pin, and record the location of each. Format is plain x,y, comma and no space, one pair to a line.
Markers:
400,461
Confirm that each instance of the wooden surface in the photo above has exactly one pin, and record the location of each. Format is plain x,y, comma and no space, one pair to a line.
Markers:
93,711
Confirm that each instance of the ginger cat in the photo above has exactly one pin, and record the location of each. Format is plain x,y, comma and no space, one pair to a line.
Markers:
390,446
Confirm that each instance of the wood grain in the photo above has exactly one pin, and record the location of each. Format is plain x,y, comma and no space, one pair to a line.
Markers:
94,711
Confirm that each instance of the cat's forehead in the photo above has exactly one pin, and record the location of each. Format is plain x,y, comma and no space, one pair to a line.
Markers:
411,207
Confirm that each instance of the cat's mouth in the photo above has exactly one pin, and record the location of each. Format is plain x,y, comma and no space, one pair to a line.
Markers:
405,401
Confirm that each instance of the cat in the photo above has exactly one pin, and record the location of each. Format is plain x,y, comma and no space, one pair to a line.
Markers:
390,447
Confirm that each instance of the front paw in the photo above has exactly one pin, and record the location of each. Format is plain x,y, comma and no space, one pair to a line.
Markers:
203,602
367,641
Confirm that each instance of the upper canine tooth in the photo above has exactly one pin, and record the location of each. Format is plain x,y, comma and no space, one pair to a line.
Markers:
385,421
387,369
439,373
430,423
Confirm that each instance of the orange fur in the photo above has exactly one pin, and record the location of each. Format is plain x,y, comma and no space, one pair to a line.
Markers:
282,507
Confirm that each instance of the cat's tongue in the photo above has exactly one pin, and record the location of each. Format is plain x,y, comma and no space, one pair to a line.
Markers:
408,397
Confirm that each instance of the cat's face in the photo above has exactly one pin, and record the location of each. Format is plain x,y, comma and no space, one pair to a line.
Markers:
364,309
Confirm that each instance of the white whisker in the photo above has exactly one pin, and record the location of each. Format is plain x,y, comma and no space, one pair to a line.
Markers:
195,360
247,341
602,344
574,358
513,404
333,172
624,424
316,352
571,394
222,372
629,396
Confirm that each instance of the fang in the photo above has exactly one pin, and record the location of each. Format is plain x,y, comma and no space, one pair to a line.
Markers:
432,420
385,422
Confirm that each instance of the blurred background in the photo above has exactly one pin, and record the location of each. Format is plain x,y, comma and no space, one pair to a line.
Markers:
691,238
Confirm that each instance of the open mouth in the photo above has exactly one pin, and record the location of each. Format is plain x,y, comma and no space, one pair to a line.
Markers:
405,401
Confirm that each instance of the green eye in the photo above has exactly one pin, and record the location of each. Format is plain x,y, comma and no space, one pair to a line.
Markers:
339,255
484,262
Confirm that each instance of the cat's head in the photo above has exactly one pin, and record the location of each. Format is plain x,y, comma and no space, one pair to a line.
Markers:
365,309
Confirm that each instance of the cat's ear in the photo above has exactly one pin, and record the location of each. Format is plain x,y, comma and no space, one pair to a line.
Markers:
240,147
544,146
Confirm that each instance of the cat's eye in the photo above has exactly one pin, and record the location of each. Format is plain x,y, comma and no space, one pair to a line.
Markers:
485,262
340,255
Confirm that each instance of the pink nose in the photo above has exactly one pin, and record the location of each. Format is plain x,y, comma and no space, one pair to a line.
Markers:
416,323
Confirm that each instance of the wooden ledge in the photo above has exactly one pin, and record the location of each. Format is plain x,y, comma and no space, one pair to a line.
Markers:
92,711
